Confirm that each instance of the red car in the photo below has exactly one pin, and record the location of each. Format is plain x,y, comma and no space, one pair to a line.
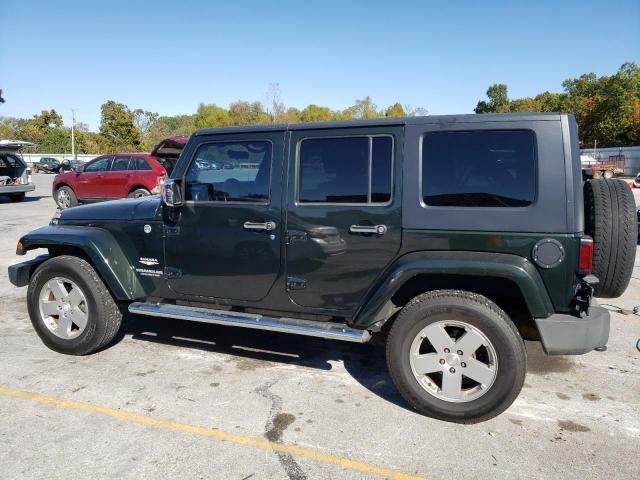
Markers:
118,175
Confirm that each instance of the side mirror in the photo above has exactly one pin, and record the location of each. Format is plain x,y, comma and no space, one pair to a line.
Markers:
171,193
78,168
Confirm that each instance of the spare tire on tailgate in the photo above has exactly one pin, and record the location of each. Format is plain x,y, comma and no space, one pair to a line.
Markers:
610,219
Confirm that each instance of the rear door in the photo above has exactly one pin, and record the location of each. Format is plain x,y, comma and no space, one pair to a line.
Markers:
90,182
116,180
343,213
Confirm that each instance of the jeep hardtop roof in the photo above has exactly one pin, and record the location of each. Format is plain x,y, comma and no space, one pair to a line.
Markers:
429,119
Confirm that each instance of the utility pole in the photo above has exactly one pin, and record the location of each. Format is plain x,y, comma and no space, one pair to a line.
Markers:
73,138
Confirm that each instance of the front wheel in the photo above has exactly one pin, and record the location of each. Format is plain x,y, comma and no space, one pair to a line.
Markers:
70,307
65,198
139,193
456,356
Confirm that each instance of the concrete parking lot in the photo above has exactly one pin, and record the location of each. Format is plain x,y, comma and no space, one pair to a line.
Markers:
174,399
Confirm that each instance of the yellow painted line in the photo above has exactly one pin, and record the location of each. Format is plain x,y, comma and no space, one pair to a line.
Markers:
293,450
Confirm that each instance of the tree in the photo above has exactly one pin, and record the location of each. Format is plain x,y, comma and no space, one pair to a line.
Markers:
498,100
274,102
211,115
144,120
246,113
117,128
315,113
395,111
364,108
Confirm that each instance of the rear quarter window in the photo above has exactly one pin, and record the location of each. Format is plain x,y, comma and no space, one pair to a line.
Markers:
485,168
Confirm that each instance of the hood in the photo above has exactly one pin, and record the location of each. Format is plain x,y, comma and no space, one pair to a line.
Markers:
170,147
146,208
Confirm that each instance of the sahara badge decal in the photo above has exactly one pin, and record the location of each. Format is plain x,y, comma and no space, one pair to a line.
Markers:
147,272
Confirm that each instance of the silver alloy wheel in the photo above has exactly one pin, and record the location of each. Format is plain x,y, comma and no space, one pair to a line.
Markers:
63,308
458,363
64,200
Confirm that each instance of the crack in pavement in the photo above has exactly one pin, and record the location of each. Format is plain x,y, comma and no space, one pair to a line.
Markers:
277,423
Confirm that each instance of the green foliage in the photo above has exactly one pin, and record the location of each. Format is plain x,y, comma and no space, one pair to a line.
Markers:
211,116
315,113
117,128
606,108
498,100
125,129
395,111
246,113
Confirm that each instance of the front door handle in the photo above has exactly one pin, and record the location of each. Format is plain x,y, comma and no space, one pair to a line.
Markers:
258,227
377,229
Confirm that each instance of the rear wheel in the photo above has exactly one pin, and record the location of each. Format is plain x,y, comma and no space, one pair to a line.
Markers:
611,220
71,309
139,193
17,197
608,174
65,198
456,356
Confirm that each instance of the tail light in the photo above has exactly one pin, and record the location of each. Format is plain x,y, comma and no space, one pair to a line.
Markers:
586,255
159,183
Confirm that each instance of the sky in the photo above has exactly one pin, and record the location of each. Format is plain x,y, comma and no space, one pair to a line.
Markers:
167,57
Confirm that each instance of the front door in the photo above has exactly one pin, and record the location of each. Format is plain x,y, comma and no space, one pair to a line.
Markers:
90,181
224,241
343,214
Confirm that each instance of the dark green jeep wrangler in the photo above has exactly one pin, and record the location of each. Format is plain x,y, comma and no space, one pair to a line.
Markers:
451,238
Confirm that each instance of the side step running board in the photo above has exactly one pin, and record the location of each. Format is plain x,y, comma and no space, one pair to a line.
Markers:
336,331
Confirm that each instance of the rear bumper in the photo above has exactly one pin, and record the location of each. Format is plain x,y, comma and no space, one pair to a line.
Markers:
568,335
11,189
20,273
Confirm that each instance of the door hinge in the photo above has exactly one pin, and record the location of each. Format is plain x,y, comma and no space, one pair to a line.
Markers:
295,236
296,283
171,230
171,272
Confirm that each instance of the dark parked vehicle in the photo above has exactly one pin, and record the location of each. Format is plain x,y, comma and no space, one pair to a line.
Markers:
70,164
15,176
47,165
451,238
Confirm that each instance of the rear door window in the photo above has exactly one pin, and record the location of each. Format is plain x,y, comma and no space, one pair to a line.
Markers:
487,168
120,164
345,170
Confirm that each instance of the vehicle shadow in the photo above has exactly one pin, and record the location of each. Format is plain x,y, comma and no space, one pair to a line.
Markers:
364,362
28,198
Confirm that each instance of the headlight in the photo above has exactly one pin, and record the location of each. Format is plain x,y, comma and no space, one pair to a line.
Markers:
56,217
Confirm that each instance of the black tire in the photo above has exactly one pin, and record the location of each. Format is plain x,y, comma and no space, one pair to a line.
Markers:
483,315
103,319
17,197
139,193
73,200
611,220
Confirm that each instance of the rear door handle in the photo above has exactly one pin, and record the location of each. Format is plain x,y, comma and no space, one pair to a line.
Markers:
258,227
376,229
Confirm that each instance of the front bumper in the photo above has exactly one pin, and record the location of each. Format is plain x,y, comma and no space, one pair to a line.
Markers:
569,335
20,273
11,189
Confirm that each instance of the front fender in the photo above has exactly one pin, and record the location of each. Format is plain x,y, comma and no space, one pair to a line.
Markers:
481,264
100,247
